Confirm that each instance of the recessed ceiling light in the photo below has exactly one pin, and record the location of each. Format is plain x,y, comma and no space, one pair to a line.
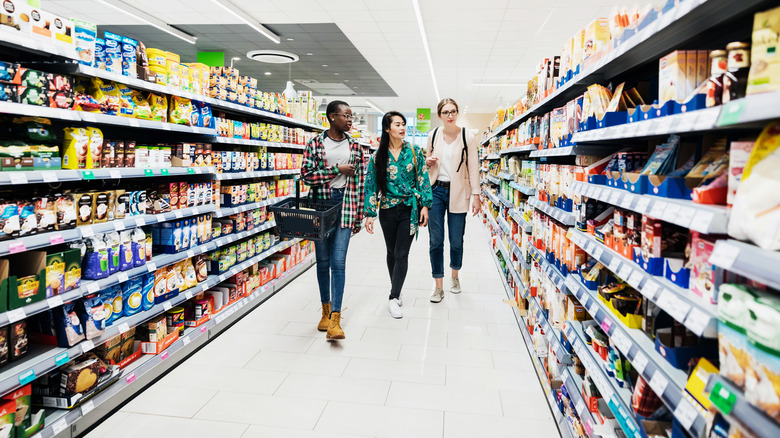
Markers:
324,65
336,74
290,39
309,53
346,80
268,73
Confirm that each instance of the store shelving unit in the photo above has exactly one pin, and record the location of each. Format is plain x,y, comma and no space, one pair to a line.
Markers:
567,151
519,149
748,260
708,219
556,276
149,368
492,179
256,174
731,403
667,382
493,157
681,304
518,217
561,216
260,143
493,198
528,191
507,176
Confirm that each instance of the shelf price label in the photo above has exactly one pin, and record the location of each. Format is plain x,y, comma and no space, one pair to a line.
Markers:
16,247
59,426
724,255
659,383
49,176
123,328
639,362
87,407
701,221
61,359
723,398
130,378
87,174
16,315
167,305
86,345
697,321
164,355
56,239
685,413
643,204
27,377
54,301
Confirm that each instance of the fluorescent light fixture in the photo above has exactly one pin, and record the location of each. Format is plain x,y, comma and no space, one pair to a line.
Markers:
372,105
236,12
268,73
476,84
416,4
143,17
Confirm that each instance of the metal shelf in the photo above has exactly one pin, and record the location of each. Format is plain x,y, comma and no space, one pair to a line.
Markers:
105,119
494,225
10,37
528,191
552,334
518,217
256,174
519,254
55,176
684,21
708,219
261,143
750,109
504,225
507,176
39,111
667,382
228,211
573,384
150,367
681,304
493,198
556,276
748,261
618,399
493,157
731,403
493,179
520,149
574,150
507,203
561,216
694,121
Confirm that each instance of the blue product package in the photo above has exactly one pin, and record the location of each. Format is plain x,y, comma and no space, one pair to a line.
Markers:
95,263
207,121
113,52
139,247
185,234
129,57
195,116
132,296
193,232
107,295
100,54
147,301
67,325
92,314
126,251
112,244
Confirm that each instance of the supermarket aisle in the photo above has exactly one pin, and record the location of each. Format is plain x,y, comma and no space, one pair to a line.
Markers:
455,369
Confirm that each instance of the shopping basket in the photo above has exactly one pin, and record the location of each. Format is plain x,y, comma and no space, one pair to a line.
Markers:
312,219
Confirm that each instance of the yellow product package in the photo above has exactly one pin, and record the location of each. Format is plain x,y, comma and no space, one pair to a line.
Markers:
180,111
142,108
107,95
126,104
75,149
159,105
95,147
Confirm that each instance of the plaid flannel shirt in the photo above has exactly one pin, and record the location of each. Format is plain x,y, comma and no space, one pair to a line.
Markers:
318,174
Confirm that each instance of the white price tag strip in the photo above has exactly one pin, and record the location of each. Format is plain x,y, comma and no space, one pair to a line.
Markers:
659,383
54,301
685,414
625,272
151,267
685,216
87,407
597,253
93,287
86,345
697,321
642,205
185,340
122,277
650,290
160,218
673,305
639,362
621,341
167,305
635,279
724,255
59,426
123,328
701,221
16,315
614,264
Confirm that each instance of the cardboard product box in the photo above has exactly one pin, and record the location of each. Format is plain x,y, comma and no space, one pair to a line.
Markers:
160,345
111,350
18,340
127,343
22,400
691,72
672,76
8,417
764,73
738,156
651,237
26,278
155,329
702,67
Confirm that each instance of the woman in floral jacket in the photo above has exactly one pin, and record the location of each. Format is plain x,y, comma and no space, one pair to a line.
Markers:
397,186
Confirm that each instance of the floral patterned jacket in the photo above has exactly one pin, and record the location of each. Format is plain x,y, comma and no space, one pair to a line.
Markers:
405,184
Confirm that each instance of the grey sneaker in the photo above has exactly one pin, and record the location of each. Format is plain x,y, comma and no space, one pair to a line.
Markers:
455,286
395,309
438,295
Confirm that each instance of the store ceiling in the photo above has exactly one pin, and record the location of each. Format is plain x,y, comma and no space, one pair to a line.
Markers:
485,41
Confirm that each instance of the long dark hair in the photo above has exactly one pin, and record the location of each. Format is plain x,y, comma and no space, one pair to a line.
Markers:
380,161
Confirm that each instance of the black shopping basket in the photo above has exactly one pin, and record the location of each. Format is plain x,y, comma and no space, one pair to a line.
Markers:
312,219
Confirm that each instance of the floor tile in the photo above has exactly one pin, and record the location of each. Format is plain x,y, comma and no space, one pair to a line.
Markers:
344,389
235,407
445,356
380,421
490,378
298,363
485,342
529,403
448,398
355,348
459,425
396,371
255,431
413,337
512,360
135,425
216,378
104,428
159,400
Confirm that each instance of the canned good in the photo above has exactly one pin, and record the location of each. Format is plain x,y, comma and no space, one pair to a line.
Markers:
174,318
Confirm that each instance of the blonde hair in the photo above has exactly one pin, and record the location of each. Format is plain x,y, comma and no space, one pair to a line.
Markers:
445,101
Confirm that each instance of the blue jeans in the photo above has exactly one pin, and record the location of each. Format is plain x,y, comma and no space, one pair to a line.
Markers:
456,225
331,256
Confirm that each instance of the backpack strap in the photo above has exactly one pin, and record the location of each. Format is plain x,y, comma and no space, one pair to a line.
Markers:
464,155
433,139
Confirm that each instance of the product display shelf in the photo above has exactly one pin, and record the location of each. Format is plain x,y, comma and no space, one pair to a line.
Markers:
708,219
256,174
748,260
493,198
519,281
504,252
519,149
42,240
730,401
681,304
517,216
573,384
20,109
561,216
552,334
529,191
667,382
506,175
494,225
617,398
689,122
105,119
556,276
8,378
228,211
518,252
149,368
574,150
686,20
540,374
56,176
507,203
493,157
754,108
9,37
493,179
261,143
504,225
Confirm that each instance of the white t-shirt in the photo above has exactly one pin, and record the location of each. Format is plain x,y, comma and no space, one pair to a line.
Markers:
337,152
445,169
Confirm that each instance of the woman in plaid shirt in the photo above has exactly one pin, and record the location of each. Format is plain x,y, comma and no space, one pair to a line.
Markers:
332,167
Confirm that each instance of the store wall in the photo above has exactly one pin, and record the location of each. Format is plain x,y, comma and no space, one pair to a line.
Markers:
471,121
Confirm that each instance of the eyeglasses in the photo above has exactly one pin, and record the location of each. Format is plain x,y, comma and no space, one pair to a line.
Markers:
346,116
449,113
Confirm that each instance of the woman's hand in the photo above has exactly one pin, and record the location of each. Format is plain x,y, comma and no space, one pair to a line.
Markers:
476,205
370,225
347,169
431,161
424,217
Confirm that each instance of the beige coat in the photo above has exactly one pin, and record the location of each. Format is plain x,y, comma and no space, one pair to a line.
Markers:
465,182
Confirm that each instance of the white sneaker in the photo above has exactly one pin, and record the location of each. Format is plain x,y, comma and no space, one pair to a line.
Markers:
400,301
395,309
438,295
455,286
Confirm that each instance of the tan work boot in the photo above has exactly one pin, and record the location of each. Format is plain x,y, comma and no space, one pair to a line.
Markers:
334,330
325,321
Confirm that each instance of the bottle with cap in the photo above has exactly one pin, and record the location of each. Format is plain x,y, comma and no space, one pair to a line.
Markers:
736,76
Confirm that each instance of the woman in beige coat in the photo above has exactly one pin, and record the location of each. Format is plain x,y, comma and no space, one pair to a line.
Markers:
453,167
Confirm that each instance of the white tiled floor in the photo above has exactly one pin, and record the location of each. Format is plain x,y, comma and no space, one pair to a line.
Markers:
454,369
